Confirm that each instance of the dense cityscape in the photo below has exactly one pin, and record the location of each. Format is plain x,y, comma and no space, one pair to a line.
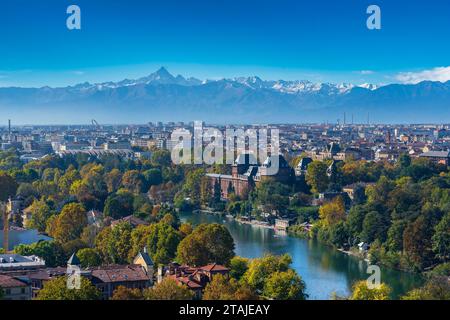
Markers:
107,202
224,159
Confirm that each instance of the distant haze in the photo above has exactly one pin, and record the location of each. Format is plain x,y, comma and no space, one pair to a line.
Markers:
164,97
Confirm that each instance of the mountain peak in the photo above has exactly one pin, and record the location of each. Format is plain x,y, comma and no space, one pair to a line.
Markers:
163,72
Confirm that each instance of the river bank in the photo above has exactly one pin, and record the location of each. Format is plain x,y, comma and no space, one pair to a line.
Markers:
325,270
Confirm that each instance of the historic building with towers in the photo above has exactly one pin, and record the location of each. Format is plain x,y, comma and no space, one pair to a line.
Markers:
246,174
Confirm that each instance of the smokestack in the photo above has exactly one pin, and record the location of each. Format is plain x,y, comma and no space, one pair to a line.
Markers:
9,129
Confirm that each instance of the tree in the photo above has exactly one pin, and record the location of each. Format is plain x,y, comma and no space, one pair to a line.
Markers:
89,258
161,158
56,289
185,229
441,238
373,227
124,293
40,213
208,243
114,244
66,181
119,205
395,235
333,212
417,242
404,160
162,242
272,195
220,288
355,220
133,181
223,288
436,288
316,176
339,234
153,177
361,291
285,285
69,224
113,180
8,186
359,195
192,185
259,270
51,251
168,289
238,267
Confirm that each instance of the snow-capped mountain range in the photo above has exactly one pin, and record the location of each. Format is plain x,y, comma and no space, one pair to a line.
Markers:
163,77
162,96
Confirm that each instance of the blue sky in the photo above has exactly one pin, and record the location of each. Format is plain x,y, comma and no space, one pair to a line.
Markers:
320,40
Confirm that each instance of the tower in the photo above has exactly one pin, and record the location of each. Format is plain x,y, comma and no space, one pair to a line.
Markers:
9,130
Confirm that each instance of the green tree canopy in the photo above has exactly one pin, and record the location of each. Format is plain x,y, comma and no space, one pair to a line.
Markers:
208,243
56,289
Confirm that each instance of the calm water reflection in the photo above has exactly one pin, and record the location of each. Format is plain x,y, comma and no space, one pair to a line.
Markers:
323,269
17,237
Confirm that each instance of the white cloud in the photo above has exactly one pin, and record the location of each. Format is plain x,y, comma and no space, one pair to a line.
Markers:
441,74
365,72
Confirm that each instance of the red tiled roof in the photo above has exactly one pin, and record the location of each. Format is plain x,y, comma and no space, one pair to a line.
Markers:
11,282
120,273
186,281
214,267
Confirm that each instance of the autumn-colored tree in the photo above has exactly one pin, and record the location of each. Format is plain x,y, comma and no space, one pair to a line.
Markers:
220,288
66,181
361,291
285,285
260,269
113,180
114,243
417,242
40,213
333,212
436,288
223,288
124,293
168,289
69,224
208,243
185,229
133,181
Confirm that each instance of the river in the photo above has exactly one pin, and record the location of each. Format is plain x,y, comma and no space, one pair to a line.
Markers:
17,237
324,269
